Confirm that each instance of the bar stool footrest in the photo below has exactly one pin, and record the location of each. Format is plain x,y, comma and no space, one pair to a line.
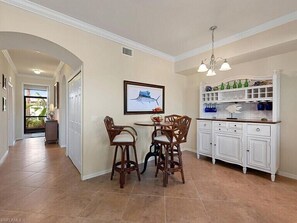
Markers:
129,166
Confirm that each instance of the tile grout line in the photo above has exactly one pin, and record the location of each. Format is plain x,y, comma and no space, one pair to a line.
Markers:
83,209
126,205
165,213
204,208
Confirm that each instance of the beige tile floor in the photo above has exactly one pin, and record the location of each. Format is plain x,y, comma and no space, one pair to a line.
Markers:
40,184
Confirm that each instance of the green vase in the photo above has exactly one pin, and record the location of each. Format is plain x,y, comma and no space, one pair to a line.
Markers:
222,86
246,83
228,86
234,84
239,84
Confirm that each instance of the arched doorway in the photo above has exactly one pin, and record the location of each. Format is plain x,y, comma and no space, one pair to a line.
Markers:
15,40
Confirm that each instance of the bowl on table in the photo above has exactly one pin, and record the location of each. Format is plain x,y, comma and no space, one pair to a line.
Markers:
156,118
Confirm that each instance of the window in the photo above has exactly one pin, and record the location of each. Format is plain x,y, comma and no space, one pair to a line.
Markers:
35,109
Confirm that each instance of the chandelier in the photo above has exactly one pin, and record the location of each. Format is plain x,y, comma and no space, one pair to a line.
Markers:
211,70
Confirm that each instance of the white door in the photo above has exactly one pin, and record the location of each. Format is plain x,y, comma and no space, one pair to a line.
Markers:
228,148
74,120
205,143
258,153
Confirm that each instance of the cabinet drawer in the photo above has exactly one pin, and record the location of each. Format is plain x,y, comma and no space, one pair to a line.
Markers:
235,131
204,125
259,130
221,129
220,124
235,125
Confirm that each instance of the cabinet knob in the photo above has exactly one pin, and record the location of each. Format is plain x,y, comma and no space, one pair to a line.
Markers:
258,129
235,125
215,144
204,125
234,130
219,129
211,143
247,150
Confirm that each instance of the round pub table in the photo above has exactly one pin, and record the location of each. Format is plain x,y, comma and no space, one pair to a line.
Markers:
154,148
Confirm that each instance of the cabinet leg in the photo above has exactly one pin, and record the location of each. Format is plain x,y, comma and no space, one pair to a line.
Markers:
213,161
244,169
272,177
198,156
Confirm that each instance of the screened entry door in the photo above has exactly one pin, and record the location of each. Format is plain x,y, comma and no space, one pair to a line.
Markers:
74,121
35,110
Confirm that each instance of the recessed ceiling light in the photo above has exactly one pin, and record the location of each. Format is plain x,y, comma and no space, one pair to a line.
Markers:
36,71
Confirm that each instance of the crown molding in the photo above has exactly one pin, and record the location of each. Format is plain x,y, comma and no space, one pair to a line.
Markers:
67,20
9,60
250,32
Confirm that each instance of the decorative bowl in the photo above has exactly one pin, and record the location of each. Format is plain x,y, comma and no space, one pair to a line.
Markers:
157,118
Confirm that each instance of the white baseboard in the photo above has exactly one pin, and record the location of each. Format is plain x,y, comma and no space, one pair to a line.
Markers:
189,149
286,174
13,143
3,157
97,174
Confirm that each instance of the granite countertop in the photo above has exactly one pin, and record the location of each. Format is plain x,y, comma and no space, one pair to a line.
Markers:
239,120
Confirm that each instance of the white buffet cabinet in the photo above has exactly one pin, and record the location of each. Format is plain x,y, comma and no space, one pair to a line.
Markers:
246,141
248,144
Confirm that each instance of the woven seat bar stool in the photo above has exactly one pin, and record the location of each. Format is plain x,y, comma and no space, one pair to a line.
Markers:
122,137
169,140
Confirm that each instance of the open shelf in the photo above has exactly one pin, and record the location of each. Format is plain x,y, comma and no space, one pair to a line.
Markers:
248,94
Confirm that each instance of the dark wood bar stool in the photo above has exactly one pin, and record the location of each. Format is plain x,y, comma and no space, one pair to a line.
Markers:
171,118
170,140
122,137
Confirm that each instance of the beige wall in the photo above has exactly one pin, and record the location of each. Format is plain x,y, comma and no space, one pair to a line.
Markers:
287,64
6,70
104,69
19,98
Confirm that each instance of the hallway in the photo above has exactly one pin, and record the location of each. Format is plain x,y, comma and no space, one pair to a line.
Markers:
40,184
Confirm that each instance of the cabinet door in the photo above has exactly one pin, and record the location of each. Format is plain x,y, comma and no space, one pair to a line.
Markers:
51,131
258,153
228,147
205,143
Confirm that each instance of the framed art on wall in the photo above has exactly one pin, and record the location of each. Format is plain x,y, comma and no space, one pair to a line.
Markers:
142,98
3,103
56,95
3,81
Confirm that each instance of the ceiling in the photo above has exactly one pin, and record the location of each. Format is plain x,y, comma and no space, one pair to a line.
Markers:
27,60
173,27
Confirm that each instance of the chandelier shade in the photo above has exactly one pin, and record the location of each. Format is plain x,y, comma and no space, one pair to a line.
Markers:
210,69
202,67
225,66
211,72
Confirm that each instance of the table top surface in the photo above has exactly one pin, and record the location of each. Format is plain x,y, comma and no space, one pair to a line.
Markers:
150,123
